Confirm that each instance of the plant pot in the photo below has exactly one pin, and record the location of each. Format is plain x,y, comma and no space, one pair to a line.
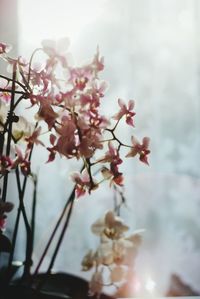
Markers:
54,286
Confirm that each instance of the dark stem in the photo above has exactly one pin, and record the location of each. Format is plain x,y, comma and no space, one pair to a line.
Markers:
16,227
10,91
5,182
55,229
72,198
33,214
16,82
53,234
28,261
14,238
71,202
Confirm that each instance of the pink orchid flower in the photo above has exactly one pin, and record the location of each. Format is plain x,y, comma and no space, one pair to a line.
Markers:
141,149
127,111
22,161
82,181
57,50
112,156
5,164
33,139
47,113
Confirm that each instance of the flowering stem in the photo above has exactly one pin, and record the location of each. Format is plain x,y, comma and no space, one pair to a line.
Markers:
11,80
5,182
10,91
31,60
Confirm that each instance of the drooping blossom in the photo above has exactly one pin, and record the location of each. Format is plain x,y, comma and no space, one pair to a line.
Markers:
142,149
127,111
112,157
47,113
57,50
83,183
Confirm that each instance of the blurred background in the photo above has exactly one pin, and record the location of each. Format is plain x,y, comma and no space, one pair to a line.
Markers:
152,55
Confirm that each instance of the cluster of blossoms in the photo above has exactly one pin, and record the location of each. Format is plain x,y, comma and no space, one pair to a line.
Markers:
114,254
67,100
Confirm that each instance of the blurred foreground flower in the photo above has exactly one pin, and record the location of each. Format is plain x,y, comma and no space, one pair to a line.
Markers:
114,254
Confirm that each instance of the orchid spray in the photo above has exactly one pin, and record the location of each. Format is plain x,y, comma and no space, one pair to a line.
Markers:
65,101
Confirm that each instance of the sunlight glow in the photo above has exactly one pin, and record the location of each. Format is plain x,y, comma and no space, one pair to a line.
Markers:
55,19
150,285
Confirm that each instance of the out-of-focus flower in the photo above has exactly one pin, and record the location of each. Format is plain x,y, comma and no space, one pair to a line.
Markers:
127,111
141,149
57,49
88,261
111,225
117,274
5,48
116,252
22,128
5,96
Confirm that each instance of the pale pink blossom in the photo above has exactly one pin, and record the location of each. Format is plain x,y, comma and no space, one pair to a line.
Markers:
47,113
33,138
126,111
4,48
142,149
82,181
57,50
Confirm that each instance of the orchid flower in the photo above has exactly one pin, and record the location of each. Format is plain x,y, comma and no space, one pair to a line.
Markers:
126,111
141,149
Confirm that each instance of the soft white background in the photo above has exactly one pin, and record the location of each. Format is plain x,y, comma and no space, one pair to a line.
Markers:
152,54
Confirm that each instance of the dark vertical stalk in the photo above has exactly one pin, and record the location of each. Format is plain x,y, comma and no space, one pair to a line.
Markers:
55,253
10,119
51,238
